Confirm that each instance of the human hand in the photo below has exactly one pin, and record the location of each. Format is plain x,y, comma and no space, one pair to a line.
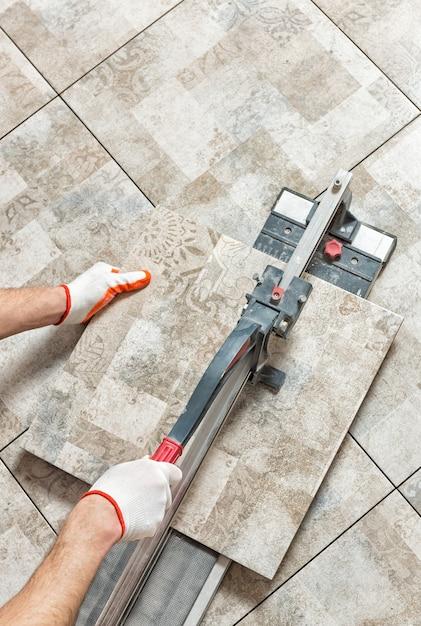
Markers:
94,289
140,492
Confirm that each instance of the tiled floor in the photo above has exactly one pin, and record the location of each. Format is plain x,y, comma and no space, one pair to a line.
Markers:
213,108
113,401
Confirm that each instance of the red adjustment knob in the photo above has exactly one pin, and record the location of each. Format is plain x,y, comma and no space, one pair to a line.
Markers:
168,450
333,250
277,293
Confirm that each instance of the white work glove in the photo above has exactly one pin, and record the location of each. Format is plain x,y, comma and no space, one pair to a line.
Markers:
95,288
140,492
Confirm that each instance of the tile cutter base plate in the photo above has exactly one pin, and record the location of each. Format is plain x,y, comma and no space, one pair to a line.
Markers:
182,576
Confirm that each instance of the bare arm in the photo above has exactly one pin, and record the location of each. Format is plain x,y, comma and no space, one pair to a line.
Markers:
128,502
30,307
73,303
56,590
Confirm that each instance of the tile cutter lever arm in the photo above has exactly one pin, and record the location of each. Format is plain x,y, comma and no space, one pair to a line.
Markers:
273,307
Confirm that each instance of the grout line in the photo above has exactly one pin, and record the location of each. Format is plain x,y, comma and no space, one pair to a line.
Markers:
365,54
408,477
316,555
408,501
13,440
381,145
120,47
77,116
27,495
371,459
396,486
403,495
28,59
27,118
106,149
386,140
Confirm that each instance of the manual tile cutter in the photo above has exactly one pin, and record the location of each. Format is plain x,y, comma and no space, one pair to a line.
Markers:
170,579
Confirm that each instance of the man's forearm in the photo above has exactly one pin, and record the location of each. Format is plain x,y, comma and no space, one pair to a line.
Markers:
30,307
56,590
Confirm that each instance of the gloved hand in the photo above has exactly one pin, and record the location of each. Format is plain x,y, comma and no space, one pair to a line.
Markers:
95,288
140,493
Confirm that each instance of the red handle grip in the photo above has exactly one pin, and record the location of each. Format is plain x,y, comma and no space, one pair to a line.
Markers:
168,450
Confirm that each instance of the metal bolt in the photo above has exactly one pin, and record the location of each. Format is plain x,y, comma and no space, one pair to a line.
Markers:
283,326
337,184
302,299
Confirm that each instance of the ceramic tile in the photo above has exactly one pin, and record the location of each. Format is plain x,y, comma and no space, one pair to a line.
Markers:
371,574
283,460
388,32
387,194
64,204
53,491
411,489
25,536
195,113
351,487
66,39
23,90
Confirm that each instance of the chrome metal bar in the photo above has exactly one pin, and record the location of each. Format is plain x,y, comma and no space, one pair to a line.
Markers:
144,557
317,227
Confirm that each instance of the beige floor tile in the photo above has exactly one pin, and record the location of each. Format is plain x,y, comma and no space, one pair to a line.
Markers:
23,90
411,489
351,487
275,450
388,32
63,205
53,491
25,536
66,39
200,119
387,194
371,574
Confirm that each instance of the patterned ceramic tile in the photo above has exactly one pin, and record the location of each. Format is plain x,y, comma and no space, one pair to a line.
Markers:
387,194
23,90
370,575
65,39
194,110
63,204
388,32
25,536
351,487
411,489
123,406
53,491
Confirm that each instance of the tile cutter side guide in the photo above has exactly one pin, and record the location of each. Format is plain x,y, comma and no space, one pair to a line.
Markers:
273,307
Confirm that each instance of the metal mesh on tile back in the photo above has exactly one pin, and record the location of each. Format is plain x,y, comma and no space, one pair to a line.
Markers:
170,591
174,583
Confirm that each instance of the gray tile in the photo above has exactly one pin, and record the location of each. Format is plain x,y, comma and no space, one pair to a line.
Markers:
25,536
351,487
258,481
64,204
371,574
53,491
388,32
386,192
202,121
23,90
411,489
65,39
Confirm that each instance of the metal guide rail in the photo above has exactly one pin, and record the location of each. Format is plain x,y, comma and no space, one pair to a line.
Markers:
171,579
